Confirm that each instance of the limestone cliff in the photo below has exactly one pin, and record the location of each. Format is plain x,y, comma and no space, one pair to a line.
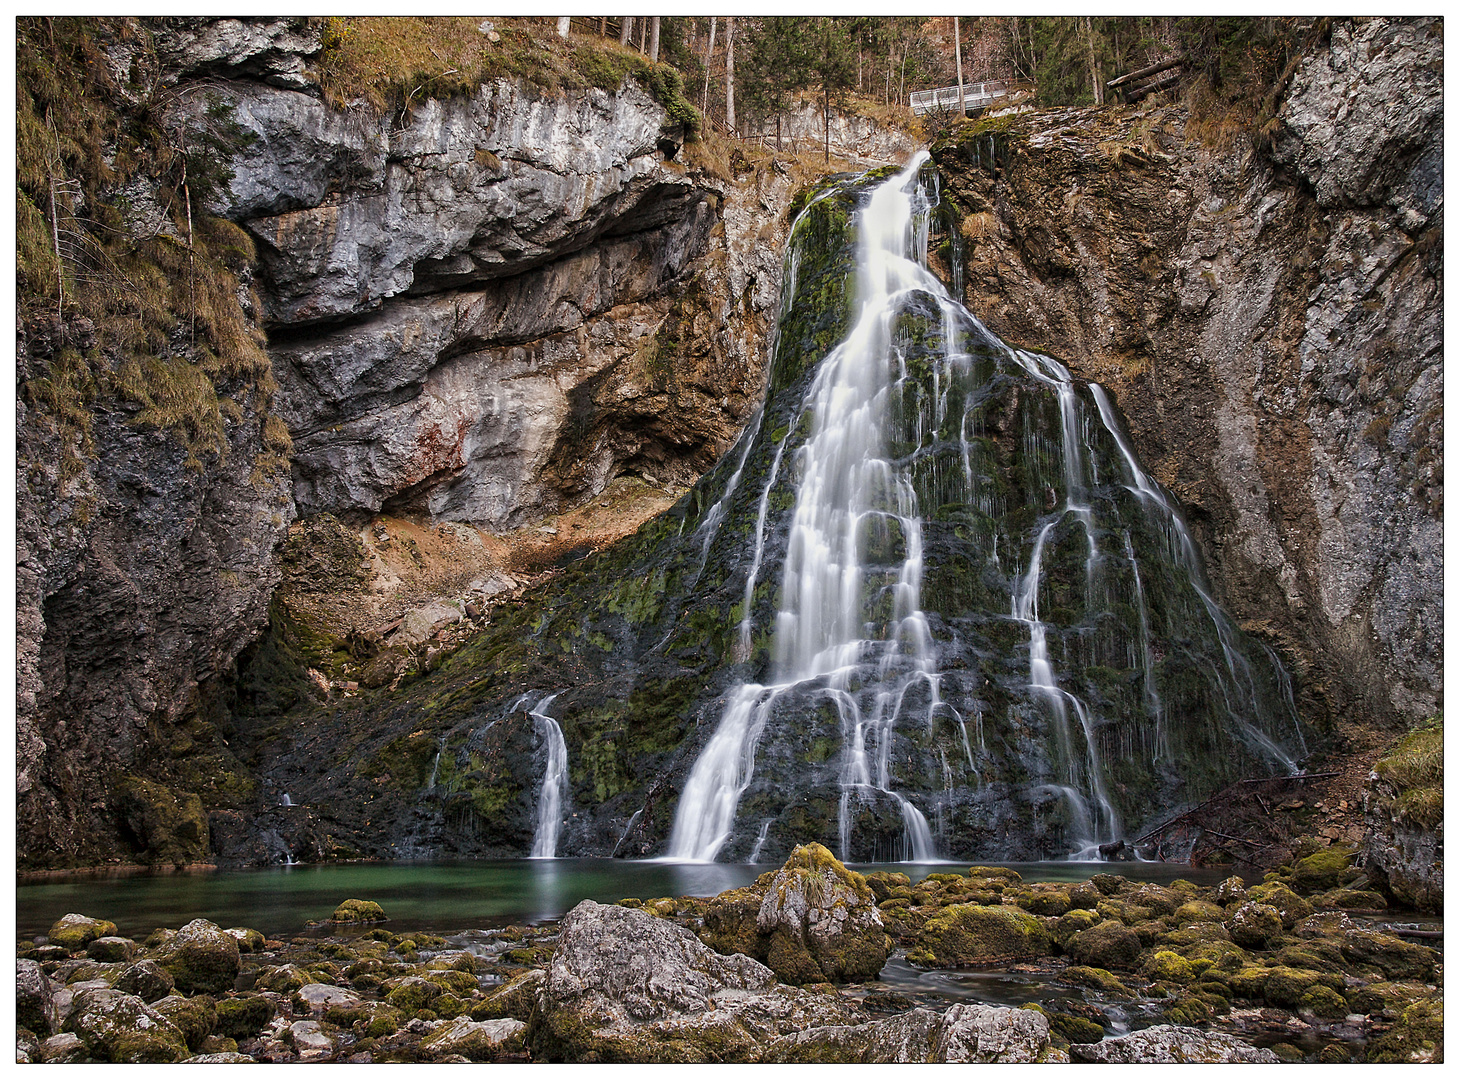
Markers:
1270,320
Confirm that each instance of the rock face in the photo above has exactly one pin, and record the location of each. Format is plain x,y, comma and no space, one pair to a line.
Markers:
1271,325
822,921
1168,1044
490,311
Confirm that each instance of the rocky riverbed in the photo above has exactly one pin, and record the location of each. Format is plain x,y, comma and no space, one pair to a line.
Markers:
1308,965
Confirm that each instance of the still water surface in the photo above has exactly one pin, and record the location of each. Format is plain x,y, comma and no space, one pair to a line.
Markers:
442,896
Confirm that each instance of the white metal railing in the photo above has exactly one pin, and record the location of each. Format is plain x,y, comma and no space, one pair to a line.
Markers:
975,96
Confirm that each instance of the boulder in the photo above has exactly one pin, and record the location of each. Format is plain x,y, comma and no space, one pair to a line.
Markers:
75,932
1292,908
1392,956
1231,891
311,1041
486,1040
1324,870
1253,925
322,996
244,1017
118,1027
896,1040
990,1033
195,1017
968,934
1168,1044
63,1049
111,949
516,999
822,921
358,911
627,986
36,1004
201,958
1108,945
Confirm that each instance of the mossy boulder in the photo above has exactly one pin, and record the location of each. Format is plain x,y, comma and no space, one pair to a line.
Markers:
821,921
201,958
249,941
1123,911
1199,911
731,922
1109,884
885,884
411,993
1231,891
1070,924
1387,999
1417,1036
1075,1029
1096,979
1050,900
243,1017
1391,956
1350,900
147,979
1254,925
36,1005
516,999
120,1028
195,1017
1323,1001
284,979
1109,945
1290,906
358,911
111,949
75,932
1324,870
1167,966
486,1040
1154,898
1286,987
1084,895
974,934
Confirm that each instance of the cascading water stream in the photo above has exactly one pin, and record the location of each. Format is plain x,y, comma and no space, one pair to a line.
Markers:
554,783
921,438
845,482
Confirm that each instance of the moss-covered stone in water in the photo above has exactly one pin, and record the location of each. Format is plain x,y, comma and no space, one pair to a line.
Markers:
1096,979
1253,925
1291,907
1167,966
75,932
1108,945
1393,957
201,958
195,1017
972,934
358,911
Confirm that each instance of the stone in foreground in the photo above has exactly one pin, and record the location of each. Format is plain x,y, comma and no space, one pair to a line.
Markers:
1168,1044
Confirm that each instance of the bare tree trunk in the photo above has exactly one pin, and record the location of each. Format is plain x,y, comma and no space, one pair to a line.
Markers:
709,52
730,73
603,26
1095,84
643,35
958,54
626,30
654,39
564,22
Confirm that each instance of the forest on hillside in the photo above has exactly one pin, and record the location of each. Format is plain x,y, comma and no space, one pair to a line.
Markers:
741,72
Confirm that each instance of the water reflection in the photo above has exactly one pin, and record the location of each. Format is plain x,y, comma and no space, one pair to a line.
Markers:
439,896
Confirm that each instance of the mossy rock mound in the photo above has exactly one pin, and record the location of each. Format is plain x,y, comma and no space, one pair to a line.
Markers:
243,1017
1199,911
731,922
1154,898
411,993
1084,896
975,935
1388,999
1109,884
1391,956
1123,911
1324,870
822,921
111,950
1292,907
885,885
195,1017
1067,926
1350,900
1167,966
120,1028
284,979
1097,978
1049,900
1254,925
146,979
515,1000
1287,987
249,941
74,932
201,958
1417,1036
358,911
1109,944
1231,891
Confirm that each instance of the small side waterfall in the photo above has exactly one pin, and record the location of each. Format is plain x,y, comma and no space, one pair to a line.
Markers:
553,794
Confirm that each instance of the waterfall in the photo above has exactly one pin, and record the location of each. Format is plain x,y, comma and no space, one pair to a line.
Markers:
554,789
960,532
846,484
